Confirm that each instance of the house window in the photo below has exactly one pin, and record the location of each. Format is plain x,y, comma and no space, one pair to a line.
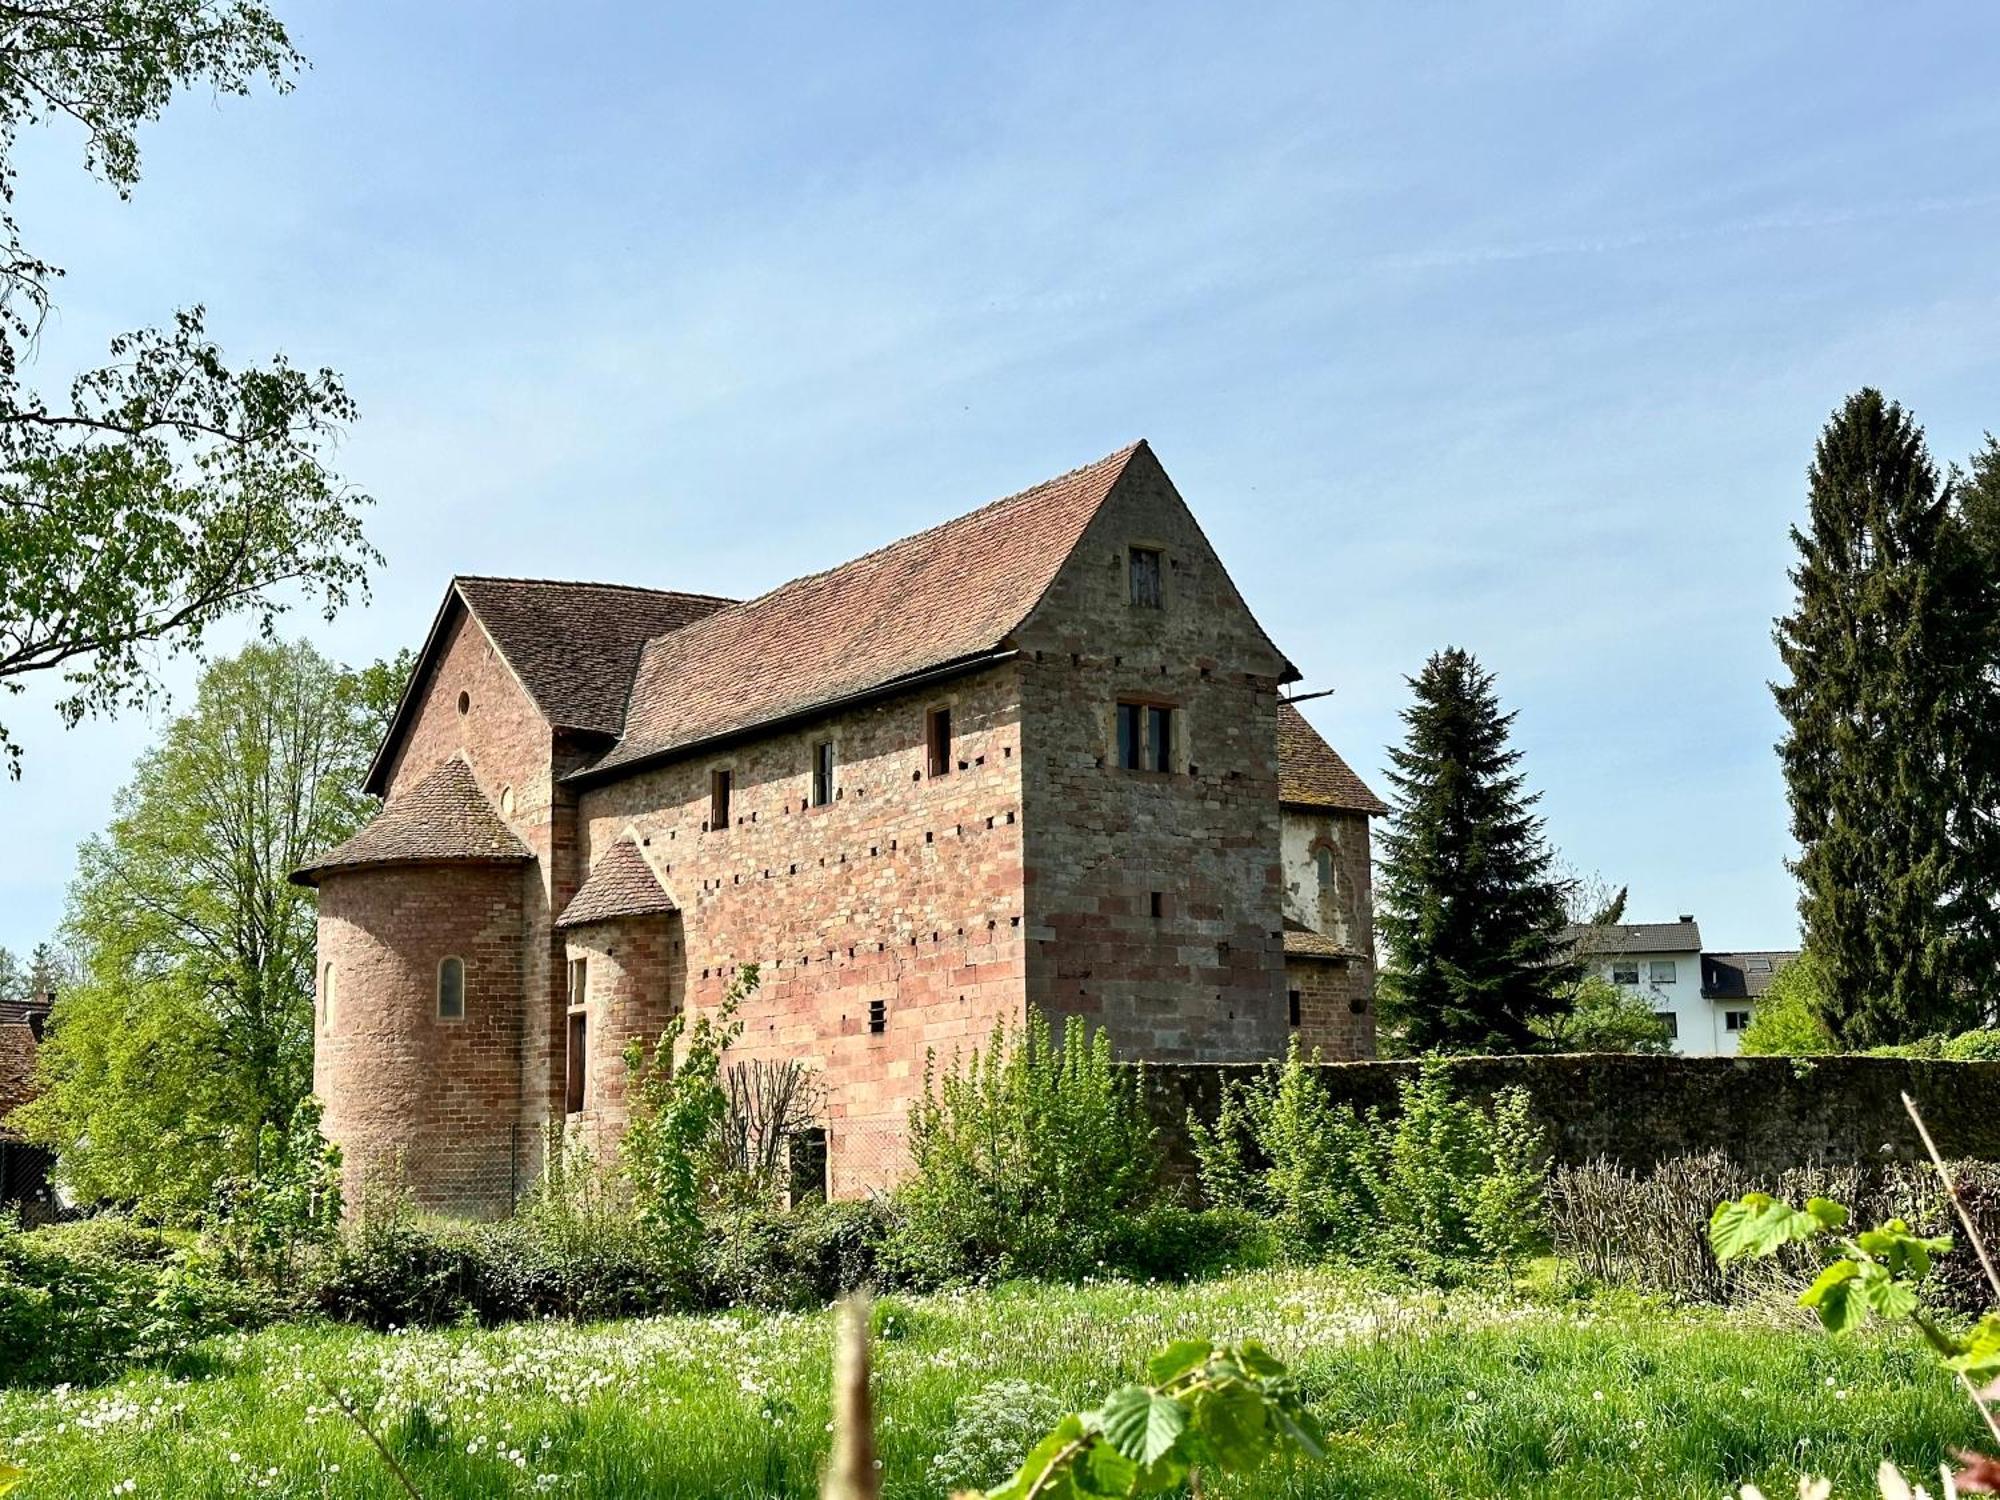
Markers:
1671,1020
1292,1008
822,773
579,977
451,989
1661,971
1625,971
326,998
1159,738
937,741
1145,573
878,1017
1324,859
719,786
1759,966
1735,1020
806,1164
1145,737
1159,905
1131,737
574,1073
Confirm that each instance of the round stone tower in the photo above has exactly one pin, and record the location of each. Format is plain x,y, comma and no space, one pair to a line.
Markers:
419,998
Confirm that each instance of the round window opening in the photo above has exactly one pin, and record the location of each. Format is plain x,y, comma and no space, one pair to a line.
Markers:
464,702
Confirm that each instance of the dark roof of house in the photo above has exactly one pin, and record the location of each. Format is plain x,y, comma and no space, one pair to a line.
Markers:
1615,939
1302,942
17,1069
443,819
1742,976
25,1012
1312,774
621,884
941,599
573,646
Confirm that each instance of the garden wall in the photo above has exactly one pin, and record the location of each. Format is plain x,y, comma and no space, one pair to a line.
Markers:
1769,1113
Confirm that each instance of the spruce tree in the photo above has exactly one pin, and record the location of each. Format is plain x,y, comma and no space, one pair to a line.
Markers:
1888,753
1472,910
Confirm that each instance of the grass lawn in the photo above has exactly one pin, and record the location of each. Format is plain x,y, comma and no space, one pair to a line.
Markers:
1471,1395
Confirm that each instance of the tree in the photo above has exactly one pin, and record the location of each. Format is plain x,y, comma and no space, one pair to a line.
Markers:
1599,1016
1786,1021
1472,911
190,1029
1889,754
166,491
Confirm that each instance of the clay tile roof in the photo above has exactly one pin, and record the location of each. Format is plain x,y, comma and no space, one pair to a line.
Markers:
574,645
1302,942
443,819
17,1069
621,884
1311,774
937,599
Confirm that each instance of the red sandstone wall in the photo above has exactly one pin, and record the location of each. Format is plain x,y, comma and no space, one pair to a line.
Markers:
1336,1006
1204,981
637,977
904,889
391,1073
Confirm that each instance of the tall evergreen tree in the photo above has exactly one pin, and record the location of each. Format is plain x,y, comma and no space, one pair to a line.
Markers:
1471,908
1889,750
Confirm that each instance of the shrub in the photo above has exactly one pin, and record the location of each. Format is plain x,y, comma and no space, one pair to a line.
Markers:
79,1302
1787,1020
1171,1242
1440,1185
1604,1017
673,1150
1023,1161
804,1258
1973,1046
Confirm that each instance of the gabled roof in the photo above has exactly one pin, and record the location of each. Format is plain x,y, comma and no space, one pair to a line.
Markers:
621,884
1742,976
443,819
1616,939
943,599
573,646
1312,774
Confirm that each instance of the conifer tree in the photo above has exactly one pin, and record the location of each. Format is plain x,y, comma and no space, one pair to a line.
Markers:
1472,910
1889,747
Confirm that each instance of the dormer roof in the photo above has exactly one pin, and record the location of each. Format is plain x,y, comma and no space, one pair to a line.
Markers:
621,884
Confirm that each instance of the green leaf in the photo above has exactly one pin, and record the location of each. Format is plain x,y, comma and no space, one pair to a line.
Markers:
1259,1361
1102,1470
1757,1224
1979,1356
1181,1357
1830,1215
1302,1428
1039,1461
1888,1295
1232,1425
10,1477
1831,1296
1140,1423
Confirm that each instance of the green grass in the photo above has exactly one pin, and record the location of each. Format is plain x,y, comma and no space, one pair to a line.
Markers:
1471,1394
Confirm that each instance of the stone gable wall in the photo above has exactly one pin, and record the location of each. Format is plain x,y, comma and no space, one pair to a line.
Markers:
434,1101
1204,980
905,889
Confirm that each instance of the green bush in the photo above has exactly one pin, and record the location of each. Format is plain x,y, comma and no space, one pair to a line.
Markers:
1023,1162
805,1258
1170,1242
1787,1020
80,1302
1604,1017
1973,1046
1438,1186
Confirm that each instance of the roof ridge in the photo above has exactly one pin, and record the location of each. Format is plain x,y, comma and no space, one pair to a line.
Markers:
1122,455
590,583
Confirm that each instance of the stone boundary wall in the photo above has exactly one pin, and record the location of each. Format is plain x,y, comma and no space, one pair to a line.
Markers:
1768,1113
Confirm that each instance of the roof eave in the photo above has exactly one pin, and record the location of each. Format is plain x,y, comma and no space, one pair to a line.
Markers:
589,776
311,875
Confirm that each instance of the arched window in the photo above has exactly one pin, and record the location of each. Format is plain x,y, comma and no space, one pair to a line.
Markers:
326,998
1324,858
451,989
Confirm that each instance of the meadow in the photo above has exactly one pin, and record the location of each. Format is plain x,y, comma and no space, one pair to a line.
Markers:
1425,1394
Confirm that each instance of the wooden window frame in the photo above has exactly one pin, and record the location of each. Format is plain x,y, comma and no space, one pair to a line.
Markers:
721,794
938,740
1144,718
1149,563
576,1061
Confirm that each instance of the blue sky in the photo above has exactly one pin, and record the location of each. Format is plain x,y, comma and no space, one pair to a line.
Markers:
1507,327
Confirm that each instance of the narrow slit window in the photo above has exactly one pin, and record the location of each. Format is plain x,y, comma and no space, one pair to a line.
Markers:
1159,738
1159,904
719,787
451,989
579,977
574,1073
1145,575
878,1017
822,773
1324,860
1293,1008
1131,729
937,738
326,998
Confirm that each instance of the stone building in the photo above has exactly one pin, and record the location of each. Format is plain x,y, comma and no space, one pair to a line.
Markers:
1036,756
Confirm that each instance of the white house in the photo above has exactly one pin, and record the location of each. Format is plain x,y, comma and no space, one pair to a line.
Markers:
1706,999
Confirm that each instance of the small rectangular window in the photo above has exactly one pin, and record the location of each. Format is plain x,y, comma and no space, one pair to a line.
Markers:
1293,1008
1735,1020
1131,742
575,1072
937,740
325,999
579,978
1669,1019
1625,971
1159,738
451,990
1759,966
822,773
878,1016
1159,904
1661,971
719,784
1145,570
